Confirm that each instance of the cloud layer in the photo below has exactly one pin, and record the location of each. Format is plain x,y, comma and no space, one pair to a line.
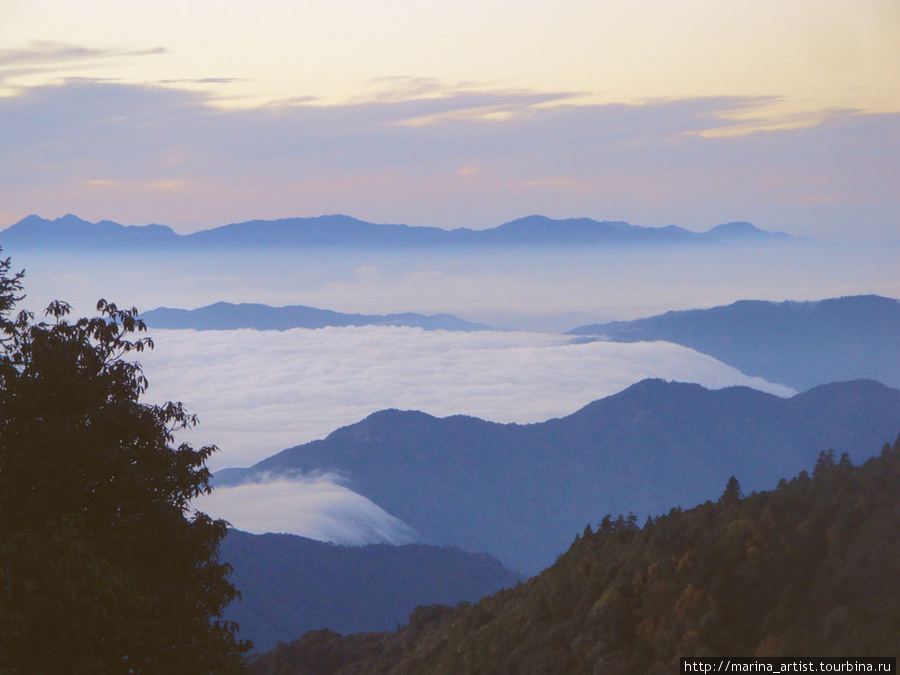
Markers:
318,507
259,392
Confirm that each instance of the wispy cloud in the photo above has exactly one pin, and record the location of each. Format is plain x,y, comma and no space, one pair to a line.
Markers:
203,80
39,53
48,57
403,88
318,507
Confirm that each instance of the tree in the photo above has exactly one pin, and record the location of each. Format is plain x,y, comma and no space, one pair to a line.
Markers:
103,567
824,463
732,494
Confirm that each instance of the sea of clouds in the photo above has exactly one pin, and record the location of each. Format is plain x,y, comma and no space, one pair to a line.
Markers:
258,392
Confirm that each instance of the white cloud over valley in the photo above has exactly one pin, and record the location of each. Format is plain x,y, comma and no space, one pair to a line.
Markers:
318,507
258,392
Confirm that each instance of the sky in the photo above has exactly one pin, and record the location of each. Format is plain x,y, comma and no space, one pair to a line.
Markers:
454,114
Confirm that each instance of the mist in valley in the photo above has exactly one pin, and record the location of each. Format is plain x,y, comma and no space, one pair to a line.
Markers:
258,392
553,289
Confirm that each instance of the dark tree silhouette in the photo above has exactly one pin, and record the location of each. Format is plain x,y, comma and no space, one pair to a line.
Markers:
103,566
733,493
10,287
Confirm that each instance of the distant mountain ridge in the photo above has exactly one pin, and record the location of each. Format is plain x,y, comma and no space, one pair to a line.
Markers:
228,316
800,344
292,584
744,231
71,232
521,492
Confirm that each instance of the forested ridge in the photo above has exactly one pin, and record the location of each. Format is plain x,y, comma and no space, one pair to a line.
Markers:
807,569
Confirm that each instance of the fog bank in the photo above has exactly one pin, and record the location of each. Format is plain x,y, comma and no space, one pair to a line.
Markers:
257,393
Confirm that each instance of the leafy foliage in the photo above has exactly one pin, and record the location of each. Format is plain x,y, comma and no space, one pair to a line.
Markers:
809,568
101,569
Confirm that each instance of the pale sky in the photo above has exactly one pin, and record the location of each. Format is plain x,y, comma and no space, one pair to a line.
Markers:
454,113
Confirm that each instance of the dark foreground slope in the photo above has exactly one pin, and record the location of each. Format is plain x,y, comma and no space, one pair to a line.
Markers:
807,569
521,492
290,584
800,344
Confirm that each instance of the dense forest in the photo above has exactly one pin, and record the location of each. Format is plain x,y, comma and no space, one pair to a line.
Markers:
808,568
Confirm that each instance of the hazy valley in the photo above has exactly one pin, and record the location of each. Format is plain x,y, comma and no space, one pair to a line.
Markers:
443,404
417,338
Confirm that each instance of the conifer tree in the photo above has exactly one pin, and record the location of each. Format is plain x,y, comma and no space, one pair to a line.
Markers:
732,494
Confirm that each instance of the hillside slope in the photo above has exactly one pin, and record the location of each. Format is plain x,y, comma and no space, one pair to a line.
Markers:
290,584
800,344
521,492
807,569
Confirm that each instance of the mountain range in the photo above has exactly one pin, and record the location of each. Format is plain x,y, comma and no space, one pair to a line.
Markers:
290,584
522,491
807,569
72,233
799,344
228,316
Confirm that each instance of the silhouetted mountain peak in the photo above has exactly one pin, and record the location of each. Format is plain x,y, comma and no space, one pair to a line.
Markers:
651,391
742,230
390,416
34,221
71,232
851,390
539,223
